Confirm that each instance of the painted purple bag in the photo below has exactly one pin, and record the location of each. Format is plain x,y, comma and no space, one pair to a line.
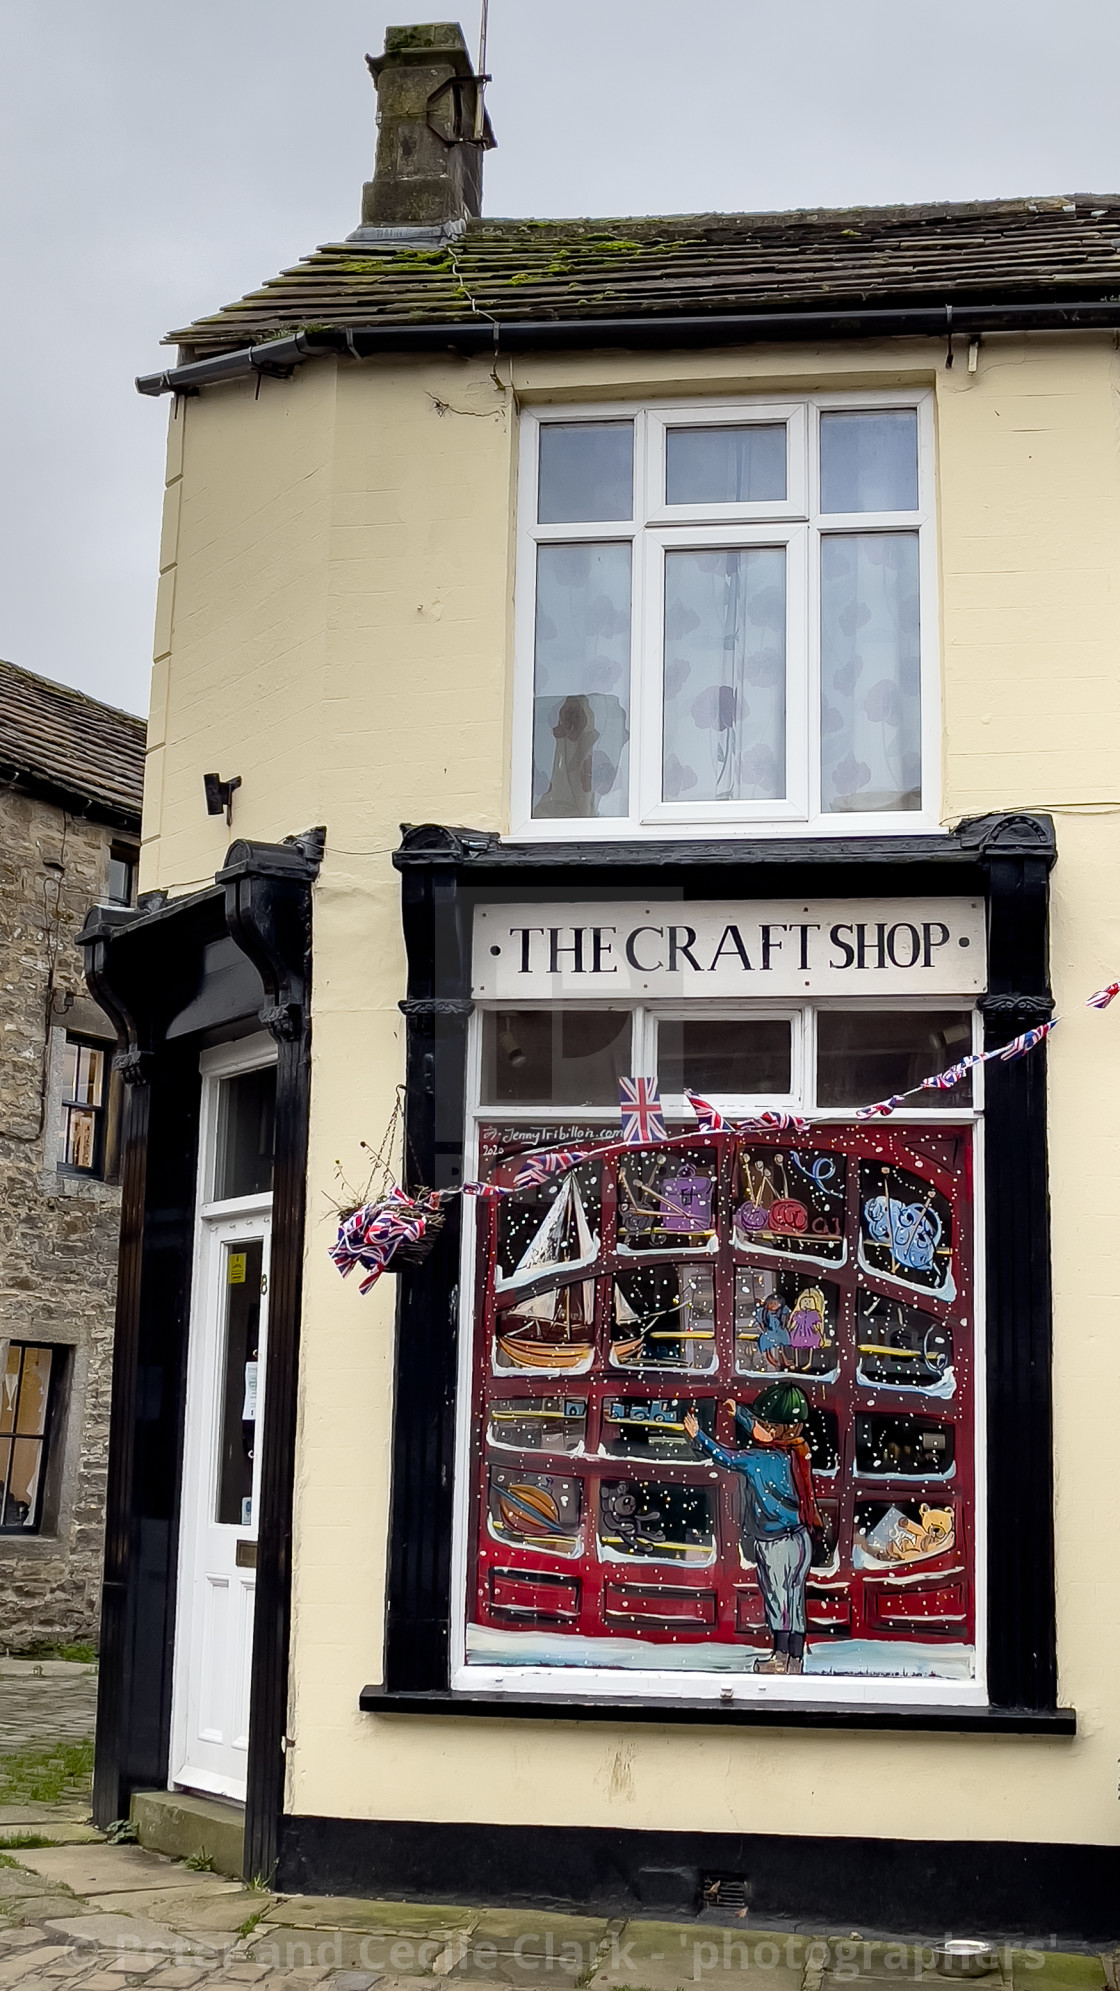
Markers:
686,1200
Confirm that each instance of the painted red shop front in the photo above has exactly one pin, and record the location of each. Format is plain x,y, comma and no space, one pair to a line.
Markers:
688,1276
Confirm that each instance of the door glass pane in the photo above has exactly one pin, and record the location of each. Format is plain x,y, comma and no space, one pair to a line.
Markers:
565,1057
871,715
586,472
707,1055
869,462
241,1285
725,675
246,1133
861,1058
725,466
581,700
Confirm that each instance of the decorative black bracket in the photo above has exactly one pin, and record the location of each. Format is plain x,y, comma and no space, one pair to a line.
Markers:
268,914
102,925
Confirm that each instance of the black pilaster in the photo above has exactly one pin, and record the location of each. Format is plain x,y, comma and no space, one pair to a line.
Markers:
268,914
159,1157
437,1008
1022,1655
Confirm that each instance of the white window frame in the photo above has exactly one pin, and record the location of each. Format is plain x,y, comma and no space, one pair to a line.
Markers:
796,522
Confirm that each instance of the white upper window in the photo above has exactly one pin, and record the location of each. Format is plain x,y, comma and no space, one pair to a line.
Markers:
725,614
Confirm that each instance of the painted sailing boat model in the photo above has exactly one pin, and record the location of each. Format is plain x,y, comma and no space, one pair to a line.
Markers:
626,1347
554,1329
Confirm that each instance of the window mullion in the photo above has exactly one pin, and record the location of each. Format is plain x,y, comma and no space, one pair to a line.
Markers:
645,1042
642,666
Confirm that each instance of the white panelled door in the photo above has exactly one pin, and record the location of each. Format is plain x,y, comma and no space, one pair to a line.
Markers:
214,1645
221,1458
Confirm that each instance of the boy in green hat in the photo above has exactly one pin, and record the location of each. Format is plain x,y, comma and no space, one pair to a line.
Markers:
779,1511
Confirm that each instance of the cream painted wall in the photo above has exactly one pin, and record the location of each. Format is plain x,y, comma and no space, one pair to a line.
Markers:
335,627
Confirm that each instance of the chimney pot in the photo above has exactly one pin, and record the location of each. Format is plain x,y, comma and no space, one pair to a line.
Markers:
429,163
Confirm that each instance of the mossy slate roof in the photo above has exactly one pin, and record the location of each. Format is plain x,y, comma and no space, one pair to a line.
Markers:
977,252
55,738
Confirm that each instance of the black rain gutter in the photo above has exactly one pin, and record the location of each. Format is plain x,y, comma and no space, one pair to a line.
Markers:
278,358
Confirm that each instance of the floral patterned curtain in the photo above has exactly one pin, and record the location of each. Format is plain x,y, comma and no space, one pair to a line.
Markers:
725,675
870,672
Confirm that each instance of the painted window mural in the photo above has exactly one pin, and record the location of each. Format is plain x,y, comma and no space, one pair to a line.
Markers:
723,1407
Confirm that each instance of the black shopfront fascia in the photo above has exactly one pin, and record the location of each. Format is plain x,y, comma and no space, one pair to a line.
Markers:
176,977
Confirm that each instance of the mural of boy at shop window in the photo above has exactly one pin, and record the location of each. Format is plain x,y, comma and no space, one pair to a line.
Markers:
780,1513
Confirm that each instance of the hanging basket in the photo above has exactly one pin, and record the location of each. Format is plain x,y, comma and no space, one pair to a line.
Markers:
414,1253
411,1251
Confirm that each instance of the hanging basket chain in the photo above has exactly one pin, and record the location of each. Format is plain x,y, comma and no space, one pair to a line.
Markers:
386,1226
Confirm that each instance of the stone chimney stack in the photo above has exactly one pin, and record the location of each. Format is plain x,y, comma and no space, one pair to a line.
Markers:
431,131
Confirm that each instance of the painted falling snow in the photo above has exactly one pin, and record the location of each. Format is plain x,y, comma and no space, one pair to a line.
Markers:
724,1413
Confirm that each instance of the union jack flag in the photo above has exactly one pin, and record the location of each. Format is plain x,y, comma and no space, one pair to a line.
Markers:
536,1169
953,1074
1103,996
776,1123
490,1190
1019,1046
710,1118
642,1118
370,1236
881,1107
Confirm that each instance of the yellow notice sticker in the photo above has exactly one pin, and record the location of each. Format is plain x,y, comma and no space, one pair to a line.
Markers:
237,1268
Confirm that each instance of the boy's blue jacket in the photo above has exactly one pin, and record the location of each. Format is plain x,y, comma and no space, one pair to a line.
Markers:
770,1502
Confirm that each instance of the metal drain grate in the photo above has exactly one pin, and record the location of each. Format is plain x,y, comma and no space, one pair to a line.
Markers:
726,1890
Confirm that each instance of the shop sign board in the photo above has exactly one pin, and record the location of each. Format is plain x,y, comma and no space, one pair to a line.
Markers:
730,948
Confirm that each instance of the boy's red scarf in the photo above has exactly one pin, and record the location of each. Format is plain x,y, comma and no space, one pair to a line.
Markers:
802,1479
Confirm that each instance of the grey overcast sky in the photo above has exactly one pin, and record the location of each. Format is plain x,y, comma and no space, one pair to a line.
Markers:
158,159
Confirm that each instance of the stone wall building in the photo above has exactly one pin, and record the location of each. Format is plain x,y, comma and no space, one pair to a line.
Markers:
71,772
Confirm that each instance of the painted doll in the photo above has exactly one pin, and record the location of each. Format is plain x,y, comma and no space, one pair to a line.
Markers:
771,1316
779,1511
806,1325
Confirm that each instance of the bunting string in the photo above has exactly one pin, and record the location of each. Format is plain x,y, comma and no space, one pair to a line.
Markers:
953,1074
369,1237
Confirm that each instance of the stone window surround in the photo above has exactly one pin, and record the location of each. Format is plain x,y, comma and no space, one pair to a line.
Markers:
63,1442
83,1019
